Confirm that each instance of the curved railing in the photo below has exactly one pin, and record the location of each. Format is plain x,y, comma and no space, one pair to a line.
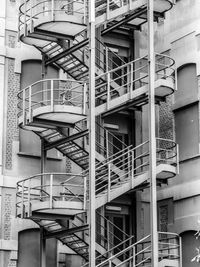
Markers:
51,92
49,187
131,76
31,11
139,253
108,6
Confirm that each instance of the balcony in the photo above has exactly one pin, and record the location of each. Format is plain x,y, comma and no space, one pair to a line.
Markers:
49,20
51,194
50,103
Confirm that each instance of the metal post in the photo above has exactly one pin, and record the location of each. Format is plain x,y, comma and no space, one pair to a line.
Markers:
152,139
43,163
92,220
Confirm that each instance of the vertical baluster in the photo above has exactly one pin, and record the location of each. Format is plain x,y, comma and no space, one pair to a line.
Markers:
52,10
134,260
133,167
107,61
107,9
24,106
25,26
109,182
31,16
30,103
22,201
108,90
51,192
29,204
131,81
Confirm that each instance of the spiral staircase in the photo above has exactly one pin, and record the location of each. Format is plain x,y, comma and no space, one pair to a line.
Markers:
57,110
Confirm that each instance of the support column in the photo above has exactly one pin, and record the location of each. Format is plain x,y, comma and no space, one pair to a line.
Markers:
152,137
92,220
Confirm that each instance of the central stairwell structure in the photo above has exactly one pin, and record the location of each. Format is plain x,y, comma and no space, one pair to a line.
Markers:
57,111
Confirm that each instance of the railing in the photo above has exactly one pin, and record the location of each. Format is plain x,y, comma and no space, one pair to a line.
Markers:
32,11
122,167
51,92
107,6
105,231
126,165
139,253
49,187
131,76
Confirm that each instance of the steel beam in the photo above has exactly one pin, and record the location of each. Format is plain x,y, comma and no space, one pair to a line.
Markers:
66,139
124,21
67,51
152,137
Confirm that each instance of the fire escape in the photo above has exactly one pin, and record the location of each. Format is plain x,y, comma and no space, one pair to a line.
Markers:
57,111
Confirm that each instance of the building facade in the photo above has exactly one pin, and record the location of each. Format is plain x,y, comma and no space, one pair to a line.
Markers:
44,139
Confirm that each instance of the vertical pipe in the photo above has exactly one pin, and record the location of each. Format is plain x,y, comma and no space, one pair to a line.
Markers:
109,182
29,204
51,101
180,252
42,248
51,192
152,139
23,106
92,219
43,162
84,97
108,90
30,104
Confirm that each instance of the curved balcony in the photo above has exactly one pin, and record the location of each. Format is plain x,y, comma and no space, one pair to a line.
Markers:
109,10
51,102
127,85
51,19
51,194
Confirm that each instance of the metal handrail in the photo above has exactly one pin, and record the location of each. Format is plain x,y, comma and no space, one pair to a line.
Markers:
134,252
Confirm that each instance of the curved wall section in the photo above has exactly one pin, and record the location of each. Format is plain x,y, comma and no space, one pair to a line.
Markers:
29,249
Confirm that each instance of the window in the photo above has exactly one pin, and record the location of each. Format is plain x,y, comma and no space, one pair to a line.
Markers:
31,72
186,112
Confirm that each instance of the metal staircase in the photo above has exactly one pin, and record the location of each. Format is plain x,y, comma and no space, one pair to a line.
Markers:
56,111
139,253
